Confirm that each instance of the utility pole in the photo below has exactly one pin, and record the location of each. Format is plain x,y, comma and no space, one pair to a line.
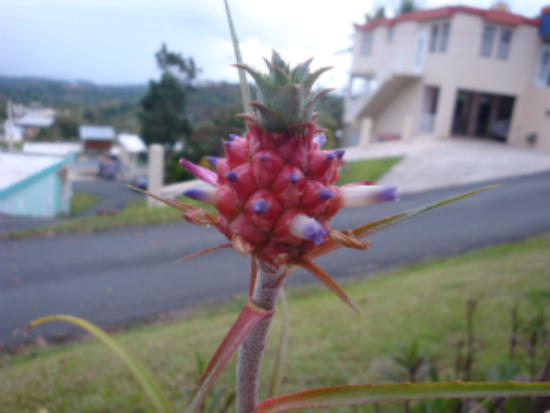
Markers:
9,128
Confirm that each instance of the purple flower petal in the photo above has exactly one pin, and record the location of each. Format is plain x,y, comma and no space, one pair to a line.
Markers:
232,137
212,160
259,206
231,176
320,140
339,153
361,195
305,227
324,194
206,194
293,178
199,172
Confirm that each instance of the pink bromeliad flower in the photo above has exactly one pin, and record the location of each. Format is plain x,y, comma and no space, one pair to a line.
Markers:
274,190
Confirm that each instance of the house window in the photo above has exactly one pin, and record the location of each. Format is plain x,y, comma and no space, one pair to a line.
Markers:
543,70
487,41
445,29
390,34
433,38
366,43
504,44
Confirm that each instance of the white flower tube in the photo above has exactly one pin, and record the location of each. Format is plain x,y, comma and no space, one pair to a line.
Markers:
206,194
361,195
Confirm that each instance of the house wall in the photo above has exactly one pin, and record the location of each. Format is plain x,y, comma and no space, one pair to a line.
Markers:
41,198
532,115
99,145
399,53
390,119
461,66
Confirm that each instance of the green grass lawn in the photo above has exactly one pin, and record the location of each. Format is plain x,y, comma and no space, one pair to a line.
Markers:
136,213
370,170
329,343
81,201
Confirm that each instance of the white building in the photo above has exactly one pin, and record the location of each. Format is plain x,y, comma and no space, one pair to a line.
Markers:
132,154
451,71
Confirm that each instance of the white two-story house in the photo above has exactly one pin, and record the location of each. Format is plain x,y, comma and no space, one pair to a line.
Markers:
451,71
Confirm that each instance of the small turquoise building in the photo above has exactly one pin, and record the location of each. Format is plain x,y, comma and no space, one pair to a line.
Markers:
35,185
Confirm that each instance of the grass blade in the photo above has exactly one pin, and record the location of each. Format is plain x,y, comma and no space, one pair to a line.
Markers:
280,359
332,285
373,227
245,90
248,318
151,388
369,393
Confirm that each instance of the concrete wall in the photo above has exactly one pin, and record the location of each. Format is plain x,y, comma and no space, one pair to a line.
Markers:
532,115
391,118
397,53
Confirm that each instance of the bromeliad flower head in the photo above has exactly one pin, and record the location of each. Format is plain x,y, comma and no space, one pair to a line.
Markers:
274,190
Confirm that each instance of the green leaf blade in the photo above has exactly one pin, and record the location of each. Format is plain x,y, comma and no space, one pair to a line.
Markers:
373,393
245,90
150,387
376,226
250,316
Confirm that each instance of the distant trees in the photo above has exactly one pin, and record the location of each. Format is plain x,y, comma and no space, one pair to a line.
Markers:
162,113
407,6
65,128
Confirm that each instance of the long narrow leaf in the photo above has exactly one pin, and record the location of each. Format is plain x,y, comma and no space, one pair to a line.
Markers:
250,315
375,226
369,393
280,359
151,388
245,90
322,276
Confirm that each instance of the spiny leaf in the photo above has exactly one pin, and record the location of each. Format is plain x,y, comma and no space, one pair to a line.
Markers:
264,87
369,393
269,118
373,227
288,103
322,276
311,78
280,359
196,254
174,203
277,75
245,90
300,72
312,102
152,390
250,315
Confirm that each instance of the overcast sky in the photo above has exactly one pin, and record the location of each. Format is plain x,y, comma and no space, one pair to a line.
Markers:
114,41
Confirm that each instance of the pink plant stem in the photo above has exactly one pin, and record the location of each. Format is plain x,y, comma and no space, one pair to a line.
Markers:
266,291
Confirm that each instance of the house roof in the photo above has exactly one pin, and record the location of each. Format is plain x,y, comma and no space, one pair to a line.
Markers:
96,133
493,16
52,148
132,143
18,169
34,121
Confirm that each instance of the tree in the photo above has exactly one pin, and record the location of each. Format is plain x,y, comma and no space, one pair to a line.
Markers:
162,115
407,6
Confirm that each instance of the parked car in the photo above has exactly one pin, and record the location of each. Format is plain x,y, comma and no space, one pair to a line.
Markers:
108,169
141,182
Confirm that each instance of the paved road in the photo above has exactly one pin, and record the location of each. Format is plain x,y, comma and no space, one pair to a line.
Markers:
123,274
